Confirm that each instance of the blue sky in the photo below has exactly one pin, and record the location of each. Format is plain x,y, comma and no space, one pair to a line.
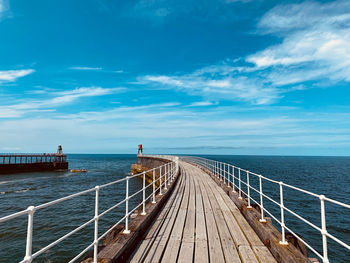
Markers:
220,77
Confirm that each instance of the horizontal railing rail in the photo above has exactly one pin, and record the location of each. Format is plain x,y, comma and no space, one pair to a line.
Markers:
167,174
232,176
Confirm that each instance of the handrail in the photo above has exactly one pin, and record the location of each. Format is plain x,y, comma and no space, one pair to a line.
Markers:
226,172
167,174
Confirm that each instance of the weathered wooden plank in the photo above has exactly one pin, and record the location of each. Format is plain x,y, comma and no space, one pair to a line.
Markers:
248,234
158,246
266,231
236,232
247,254
264,255
201,245
228,246
186,254
174,242
148,240
215,249
252,237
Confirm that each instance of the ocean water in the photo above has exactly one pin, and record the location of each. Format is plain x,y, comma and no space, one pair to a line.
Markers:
322,175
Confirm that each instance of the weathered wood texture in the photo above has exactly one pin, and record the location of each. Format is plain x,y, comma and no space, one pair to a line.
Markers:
120,246
248,219
198,224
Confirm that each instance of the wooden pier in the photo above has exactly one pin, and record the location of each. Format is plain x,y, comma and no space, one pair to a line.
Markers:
200,223
195,220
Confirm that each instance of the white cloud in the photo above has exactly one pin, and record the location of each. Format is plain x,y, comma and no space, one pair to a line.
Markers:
223,85
167,125
13,75
4,8
315,46
86,68
202,104
54,99
315,42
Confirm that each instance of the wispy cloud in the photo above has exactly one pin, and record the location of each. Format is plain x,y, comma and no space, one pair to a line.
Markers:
54,100
168,126
87,68
316,42
13,75
217,82
4,9
202,104
315,48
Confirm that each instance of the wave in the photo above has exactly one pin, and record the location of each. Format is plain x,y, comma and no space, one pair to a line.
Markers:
21,190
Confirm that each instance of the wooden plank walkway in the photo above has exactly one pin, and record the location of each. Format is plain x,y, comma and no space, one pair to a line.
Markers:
200,223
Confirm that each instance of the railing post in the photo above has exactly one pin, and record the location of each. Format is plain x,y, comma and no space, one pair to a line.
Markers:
144,194
224,173
324,230
126,230
160,180
154,186
233,179
221,171
262,219
283,241
170,171
28,256
97,189
166,176
239,184
248,190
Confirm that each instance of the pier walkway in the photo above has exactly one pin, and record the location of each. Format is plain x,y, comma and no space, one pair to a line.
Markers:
200,223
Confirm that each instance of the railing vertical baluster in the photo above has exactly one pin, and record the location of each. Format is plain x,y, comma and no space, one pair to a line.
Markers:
160,180
170,173
283,241
233,179
144,194
126,230
262,219
28,256
224,173
221,174
248,190
97,189
239,184
166,176
324,230
154,186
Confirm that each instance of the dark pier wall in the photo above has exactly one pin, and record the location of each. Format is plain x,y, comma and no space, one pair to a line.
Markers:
32,167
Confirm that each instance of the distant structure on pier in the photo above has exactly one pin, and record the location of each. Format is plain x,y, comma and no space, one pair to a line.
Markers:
28,162
140,151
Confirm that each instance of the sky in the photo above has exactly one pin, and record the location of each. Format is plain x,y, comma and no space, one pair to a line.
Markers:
194,77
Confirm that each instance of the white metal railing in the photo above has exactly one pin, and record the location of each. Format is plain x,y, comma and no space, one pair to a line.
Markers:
231,174
167,174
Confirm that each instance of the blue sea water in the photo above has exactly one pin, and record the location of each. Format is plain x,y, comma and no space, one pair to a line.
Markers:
321,175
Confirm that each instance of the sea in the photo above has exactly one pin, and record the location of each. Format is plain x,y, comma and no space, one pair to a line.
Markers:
322,175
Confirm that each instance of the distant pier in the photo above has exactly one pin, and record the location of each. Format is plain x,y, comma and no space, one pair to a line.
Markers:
20,163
